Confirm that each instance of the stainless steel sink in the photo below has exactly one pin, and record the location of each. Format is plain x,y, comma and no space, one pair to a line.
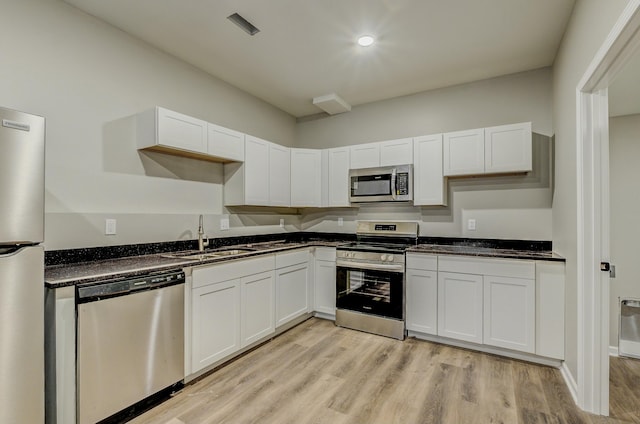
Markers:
195,255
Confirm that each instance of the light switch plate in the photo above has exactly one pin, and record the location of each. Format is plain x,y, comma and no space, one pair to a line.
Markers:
340,222
281,222
471,225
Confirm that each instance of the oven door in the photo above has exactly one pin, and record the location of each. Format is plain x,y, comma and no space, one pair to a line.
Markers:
376,289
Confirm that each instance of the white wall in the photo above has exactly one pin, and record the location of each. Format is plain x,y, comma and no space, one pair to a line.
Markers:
86,78
506,207
624,155
590,23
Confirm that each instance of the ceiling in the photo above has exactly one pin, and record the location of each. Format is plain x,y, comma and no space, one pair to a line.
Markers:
306,48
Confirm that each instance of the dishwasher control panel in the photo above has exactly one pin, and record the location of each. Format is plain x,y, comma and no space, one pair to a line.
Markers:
90,292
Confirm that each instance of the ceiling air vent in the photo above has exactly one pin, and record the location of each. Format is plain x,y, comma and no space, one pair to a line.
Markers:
246,26
332,104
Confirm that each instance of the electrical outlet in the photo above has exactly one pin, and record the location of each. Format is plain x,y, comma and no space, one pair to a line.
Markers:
224,224
110,227
471,225
340,222
281,222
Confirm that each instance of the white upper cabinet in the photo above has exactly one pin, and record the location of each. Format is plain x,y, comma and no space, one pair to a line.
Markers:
166,131
383,153
306,178
464,152
338,178
264,177
248,183
225,143
501,149
279,175
429,186
396,152
162,129
364,156
507,148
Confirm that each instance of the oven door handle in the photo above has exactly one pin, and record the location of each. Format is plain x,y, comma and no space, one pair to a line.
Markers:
375,267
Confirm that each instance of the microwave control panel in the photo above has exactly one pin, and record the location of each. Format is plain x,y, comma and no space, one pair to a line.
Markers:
402,184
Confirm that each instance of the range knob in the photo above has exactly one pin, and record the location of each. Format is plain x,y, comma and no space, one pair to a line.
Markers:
390,258
383,257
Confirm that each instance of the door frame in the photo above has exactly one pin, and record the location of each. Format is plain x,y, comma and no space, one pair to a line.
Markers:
593,232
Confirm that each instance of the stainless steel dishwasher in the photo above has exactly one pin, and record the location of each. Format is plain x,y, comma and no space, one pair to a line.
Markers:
130,343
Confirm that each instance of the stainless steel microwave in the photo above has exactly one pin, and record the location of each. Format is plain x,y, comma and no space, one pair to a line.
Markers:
384,184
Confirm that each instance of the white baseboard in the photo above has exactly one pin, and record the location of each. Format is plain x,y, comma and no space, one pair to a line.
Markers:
570,381
613,350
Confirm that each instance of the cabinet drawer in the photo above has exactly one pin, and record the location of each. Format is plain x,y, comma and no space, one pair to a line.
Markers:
209,274
292,258
325,254
497,267
422,261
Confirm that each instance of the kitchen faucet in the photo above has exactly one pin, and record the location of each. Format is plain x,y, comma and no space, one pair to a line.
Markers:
203,241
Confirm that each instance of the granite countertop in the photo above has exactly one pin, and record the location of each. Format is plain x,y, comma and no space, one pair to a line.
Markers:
87,271
63,275
482,251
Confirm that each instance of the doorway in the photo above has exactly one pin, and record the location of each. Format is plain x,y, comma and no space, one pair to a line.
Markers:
624,199
594,232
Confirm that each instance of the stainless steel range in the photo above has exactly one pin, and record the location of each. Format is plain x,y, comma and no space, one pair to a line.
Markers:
370,281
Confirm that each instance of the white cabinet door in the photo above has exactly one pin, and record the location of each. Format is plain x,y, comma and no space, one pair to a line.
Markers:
464,152
429,186
364,156
215,323
292,292
507,148
306,178
258,300
256,171
509,313
460,306
550,309
279,175
338,177
396,152
324,281
165,128
225,143
422,301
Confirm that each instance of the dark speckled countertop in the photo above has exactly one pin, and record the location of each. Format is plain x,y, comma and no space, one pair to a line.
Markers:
64,275
489,252
77,266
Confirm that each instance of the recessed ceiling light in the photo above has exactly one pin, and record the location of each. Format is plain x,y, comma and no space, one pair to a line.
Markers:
366,40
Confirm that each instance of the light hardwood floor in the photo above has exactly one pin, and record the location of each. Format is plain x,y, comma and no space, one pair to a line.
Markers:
318,373
624,389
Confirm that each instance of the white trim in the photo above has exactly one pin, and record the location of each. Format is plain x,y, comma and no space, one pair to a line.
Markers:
593,209
613,351
569,381
523,356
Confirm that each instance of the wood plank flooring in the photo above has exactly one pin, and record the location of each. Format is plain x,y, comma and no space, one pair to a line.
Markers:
318,373
624,389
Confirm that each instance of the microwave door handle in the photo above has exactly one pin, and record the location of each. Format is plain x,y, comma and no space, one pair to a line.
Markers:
393,184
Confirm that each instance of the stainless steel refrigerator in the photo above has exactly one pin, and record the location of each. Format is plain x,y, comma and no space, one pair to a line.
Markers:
21,268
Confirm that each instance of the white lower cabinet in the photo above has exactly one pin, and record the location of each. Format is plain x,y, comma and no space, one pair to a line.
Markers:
292,286
216,322
324,281
257,307
231,306
509,313
506,303
460,306
422,293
